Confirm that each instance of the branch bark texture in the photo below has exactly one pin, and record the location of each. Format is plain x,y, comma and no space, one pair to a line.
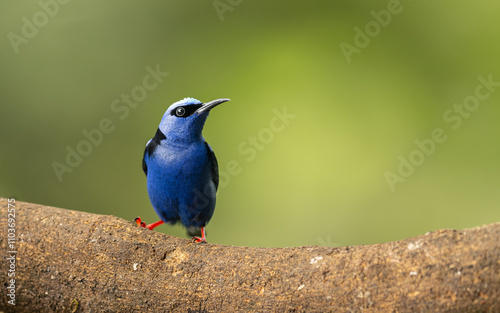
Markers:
69,261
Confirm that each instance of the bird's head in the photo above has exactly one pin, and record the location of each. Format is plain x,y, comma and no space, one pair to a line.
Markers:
184,120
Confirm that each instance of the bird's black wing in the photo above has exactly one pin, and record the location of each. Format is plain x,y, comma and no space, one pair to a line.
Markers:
144,165
150,148
214,167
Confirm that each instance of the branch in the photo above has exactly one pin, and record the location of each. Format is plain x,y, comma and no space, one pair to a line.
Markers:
70,261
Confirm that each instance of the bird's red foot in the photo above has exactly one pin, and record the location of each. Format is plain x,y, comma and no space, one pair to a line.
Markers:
139,222
203,237
198,239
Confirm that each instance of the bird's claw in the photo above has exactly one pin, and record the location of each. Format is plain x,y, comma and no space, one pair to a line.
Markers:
198,239
139,222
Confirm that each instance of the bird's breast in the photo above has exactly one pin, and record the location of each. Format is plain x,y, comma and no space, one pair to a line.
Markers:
175,159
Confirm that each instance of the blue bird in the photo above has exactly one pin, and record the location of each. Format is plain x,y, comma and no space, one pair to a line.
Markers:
181,168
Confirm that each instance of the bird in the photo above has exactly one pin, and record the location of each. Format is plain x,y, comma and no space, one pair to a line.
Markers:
181,169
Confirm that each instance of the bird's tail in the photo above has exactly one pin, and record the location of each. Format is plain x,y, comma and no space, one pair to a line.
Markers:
194,231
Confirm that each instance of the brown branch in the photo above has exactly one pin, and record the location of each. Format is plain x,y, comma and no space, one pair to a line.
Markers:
72,261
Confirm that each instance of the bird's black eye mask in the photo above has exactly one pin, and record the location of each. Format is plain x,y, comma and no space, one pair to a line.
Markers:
186,110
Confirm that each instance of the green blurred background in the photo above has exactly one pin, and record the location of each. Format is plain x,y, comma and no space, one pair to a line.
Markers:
318,181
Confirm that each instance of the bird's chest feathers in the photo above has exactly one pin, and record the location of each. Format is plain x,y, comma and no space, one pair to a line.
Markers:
180,161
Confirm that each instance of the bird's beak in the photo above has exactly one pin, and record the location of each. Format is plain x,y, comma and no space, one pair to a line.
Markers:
210,105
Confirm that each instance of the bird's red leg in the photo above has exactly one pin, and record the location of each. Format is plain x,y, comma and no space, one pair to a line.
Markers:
139,222
153,225
203,238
